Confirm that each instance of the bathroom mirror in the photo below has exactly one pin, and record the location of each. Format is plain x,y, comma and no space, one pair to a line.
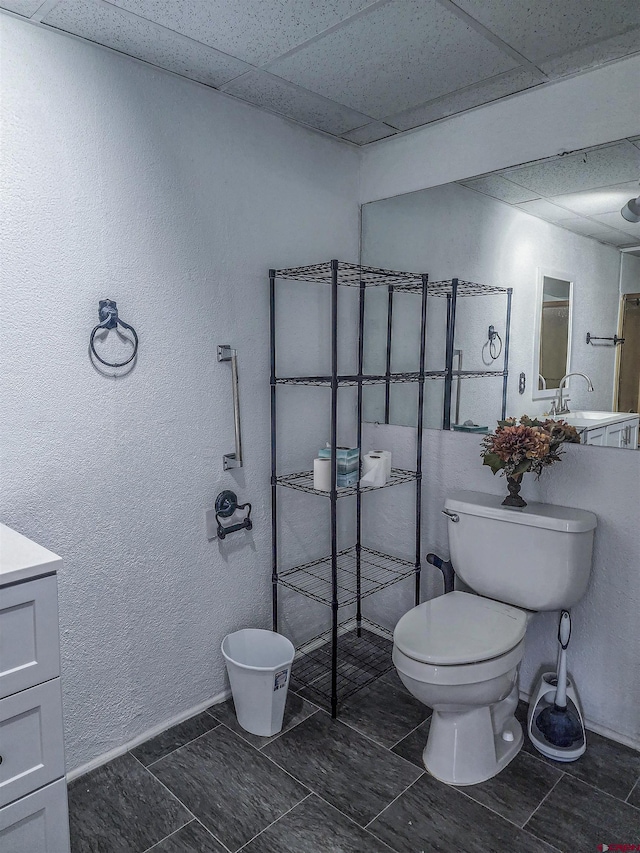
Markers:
552,335
552,232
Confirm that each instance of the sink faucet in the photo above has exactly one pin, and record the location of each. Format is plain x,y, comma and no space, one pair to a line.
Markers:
559,406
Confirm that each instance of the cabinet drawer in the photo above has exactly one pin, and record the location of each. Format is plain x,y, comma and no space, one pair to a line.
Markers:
38,823
31,741
29,646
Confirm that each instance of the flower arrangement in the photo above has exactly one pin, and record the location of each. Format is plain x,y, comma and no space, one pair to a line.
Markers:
531,445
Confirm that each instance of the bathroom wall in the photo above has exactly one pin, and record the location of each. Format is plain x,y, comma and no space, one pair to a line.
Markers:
127,182
629,273
453,231
605,645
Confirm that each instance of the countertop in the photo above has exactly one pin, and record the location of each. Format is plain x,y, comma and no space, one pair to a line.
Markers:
21,559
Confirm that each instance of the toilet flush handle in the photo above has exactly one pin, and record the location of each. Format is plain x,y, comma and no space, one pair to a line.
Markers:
452,516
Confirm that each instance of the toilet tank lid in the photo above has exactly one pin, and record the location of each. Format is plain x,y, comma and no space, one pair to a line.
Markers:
459,628
563,518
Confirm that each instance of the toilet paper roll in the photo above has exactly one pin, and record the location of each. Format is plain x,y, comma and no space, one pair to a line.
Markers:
322,475
386,455
374,469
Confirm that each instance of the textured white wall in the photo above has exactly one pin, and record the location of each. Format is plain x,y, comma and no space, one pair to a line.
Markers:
630,274
599,106
605,645
453,231
122,181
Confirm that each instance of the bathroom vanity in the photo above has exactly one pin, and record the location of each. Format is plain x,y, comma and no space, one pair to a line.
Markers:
606,429
33,791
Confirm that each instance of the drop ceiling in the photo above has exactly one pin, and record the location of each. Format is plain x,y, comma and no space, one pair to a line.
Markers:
582,191
356,69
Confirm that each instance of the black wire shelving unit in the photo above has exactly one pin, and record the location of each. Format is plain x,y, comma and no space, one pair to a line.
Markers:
355,651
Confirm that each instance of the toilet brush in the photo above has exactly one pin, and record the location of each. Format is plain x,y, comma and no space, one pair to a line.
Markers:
559,723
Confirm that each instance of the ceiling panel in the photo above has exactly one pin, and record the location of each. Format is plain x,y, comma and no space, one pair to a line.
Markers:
548,28
614,164
21,7
369,133
254,31
546,210
603,200
109,26
464,99
592,55
273,93
498,187
616,220
401,54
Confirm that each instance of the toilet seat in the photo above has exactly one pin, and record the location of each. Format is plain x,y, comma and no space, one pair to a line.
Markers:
459,629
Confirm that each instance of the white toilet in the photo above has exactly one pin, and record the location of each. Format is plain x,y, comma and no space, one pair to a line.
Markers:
460,653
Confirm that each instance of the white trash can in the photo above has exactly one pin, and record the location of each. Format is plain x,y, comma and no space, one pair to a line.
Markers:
259,666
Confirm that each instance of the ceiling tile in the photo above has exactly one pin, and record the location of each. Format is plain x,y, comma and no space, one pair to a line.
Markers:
635,141
254,31
545,210
498,187
112,27
586,227
603,200
592,55
613,164
21,7
273,93
549,28
472,96
616,220
401,54
370,133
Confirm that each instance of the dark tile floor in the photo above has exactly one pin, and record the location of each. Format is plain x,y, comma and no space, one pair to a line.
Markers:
355,785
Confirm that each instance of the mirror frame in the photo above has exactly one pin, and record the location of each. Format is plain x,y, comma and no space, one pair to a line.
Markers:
541,274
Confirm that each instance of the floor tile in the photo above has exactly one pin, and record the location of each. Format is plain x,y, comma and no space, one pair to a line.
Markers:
412,746
346,769
296,710
577,817
314,826
192,838
517,790
383,712
634,796
173,738
121,808
610,766
432,817
228,785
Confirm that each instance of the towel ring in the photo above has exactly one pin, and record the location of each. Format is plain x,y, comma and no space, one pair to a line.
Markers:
108,314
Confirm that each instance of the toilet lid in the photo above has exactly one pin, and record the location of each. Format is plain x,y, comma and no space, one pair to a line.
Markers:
459,628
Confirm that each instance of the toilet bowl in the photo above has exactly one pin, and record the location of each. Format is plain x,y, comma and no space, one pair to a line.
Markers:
460,653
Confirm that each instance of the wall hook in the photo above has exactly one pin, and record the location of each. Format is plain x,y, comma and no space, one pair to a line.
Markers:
108,316
226,504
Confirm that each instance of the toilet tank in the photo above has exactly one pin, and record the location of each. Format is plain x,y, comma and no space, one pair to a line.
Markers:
538,557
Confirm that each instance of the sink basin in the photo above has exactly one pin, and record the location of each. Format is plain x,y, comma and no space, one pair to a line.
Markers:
594,416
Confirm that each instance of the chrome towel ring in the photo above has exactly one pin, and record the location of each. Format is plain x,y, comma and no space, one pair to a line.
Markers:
108,314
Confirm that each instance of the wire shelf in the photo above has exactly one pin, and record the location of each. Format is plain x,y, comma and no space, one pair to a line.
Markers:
361,660
303,482
475,374
352,275
381,379
377,571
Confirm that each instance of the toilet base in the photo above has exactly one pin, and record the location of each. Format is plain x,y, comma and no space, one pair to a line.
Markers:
470,745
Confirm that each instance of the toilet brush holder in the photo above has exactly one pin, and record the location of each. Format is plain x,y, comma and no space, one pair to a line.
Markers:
544,697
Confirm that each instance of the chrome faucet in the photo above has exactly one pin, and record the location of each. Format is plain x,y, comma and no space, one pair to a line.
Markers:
559,406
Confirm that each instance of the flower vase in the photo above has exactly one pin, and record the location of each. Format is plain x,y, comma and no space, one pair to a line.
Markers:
514,484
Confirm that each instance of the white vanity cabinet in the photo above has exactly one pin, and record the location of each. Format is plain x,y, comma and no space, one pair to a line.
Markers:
619,434
33,792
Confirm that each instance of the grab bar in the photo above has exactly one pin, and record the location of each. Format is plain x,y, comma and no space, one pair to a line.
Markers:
232,460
